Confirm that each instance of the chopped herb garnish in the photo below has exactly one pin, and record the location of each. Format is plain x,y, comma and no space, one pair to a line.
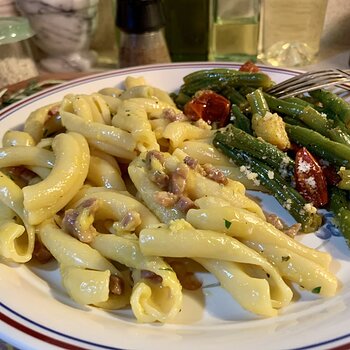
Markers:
316,290
285,258
227,223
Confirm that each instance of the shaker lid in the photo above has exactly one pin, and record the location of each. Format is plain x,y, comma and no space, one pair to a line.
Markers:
13,29
139,16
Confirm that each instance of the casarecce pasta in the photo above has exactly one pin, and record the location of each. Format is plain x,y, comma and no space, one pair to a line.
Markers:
117,184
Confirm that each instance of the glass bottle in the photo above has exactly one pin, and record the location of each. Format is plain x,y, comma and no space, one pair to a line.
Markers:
187,29
291,31
235,30
141,37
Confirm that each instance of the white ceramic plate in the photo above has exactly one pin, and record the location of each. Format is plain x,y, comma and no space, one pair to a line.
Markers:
35,312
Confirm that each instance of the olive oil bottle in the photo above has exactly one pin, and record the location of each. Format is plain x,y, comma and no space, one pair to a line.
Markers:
235,30
187,29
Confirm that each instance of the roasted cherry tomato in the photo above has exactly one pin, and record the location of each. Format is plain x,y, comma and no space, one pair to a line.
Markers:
209,106
310,180
331,174
250,67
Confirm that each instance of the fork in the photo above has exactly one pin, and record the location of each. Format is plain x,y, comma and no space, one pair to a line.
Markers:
309,81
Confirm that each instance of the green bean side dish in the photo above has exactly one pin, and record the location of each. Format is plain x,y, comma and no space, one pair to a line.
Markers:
305,146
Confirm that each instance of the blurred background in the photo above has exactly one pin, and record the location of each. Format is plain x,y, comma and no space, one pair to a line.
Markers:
84,36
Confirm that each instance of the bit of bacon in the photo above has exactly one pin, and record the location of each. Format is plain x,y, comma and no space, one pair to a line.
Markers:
151,276
116,285
165,199
41,253
215,174
160,178
274,220
184,204
187,278
293,230
173,115
191,162
130,221
154,154
73,221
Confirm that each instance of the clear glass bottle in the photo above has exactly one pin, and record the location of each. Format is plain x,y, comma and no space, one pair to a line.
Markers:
16,60
235,30
141,37
291,31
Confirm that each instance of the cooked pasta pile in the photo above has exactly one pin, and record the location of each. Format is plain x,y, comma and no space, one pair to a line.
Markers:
119,184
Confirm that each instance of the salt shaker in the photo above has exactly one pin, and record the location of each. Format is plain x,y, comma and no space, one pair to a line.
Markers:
142,41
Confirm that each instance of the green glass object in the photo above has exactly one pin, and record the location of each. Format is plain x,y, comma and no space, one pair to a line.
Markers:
187,29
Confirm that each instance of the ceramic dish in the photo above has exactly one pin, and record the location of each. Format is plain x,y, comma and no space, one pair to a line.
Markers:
36,313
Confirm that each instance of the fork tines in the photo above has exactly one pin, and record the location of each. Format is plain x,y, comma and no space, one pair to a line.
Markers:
309,81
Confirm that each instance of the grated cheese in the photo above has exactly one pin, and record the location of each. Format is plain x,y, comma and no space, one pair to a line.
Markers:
250,175
311,181
303,166
288,204
309,208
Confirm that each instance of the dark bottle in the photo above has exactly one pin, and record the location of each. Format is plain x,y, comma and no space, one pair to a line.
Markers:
187,29
141,38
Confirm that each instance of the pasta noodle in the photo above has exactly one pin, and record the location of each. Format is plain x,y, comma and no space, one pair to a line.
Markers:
150,301
121,188
17,239
72,160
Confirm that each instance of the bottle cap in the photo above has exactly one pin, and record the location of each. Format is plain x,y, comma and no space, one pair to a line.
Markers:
13,29
139,16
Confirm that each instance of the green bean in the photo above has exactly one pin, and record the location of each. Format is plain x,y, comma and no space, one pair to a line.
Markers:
339,205
344,183
306,114
208,73
211,79
339,135
180,99
240,120
286,195
319,145
293,121
334,103
245,90
258,149
298,101
258,103
234,96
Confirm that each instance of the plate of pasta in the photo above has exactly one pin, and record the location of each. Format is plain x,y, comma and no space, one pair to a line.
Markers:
124,224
